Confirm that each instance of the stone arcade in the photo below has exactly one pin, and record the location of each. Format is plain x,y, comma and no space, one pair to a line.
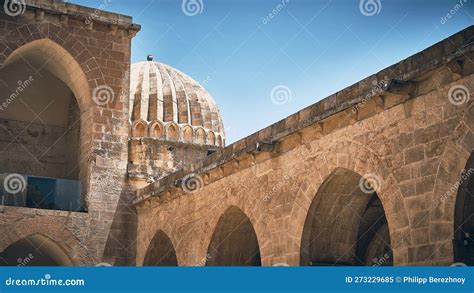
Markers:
104,162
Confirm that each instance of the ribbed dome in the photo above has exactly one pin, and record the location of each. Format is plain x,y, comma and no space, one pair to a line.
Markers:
166,103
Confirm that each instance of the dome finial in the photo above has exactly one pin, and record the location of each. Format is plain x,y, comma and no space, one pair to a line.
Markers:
149,57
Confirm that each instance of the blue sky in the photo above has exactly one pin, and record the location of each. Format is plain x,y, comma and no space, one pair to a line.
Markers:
313,48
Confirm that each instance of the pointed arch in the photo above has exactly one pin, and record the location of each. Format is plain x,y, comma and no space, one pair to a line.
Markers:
156,129
452,192
161,251
187,133
139,129
343,224
219,141
464,216
172,131
57,60
234,241
336,155
200,136
61,88
35,250
211,138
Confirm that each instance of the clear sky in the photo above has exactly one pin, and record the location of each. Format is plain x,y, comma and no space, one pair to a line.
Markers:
313,48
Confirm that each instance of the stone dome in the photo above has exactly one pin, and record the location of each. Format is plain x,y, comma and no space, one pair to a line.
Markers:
167,104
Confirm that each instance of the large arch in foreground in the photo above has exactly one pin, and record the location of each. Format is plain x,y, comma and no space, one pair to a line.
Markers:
47,91
47,54
346,224
234,241
160,251
35,250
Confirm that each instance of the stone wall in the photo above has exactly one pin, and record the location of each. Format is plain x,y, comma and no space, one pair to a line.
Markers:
89,51
38,115
158,158
403,128
39,141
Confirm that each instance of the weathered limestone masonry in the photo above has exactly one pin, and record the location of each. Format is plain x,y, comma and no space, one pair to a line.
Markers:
374,174
87,49
397,125
149,156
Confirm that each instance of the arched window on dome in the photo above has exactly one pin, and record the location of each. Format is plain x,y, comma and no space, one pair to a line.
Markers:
187,134
139,130
172,132
219,140
211,138
156,130
200,136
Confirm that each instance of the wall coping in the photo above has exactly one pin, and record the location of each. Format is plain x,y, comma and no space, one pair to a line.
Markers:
88,14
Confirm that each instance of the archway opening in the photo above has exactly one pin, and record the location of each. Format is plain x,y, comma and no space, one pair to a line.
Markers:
200,136
464,217
234,241
157,131
40,126
211,138
35,250
187,134
172,133
346,224
139,130
160,252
